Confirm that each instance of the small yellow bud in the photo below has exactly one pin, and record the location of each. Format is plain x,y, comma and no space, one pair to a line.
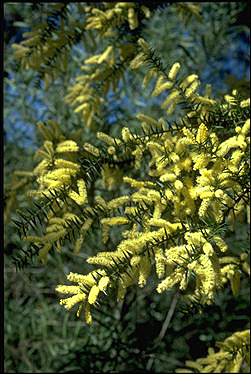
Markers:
174,71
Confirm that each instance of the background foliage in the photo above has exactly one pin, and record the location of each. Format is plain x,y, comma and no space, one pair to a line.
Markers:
39,335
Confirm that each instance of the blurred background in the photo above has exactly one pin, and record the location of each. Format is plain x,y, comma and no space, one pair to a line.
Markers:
39,335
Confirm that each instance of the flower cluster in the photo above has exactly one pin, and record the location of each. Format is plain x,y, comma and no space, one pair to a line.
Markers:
86,293
194,179
234,354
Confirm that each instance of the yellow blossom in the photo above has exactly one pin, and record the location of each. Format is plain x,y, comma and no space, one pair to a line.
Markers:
93,294
71,301
67,146
88,316
170,281
81,197
208,249
174,70
172,98
246,127
160,261
103,283
192,88
68,289
245,103
114,221
202,133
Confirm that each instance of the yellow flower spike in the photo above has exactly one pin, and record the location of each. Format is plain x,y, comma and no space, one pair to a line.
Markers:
107,139
115,203
114,221
132,19
154,195
67,146
80,278
149,120
68,289
53,228
202,133
99,13
220,243
88,316
126,135
146,11
79,310
43,253
162,86
71,301
93,295
173,97
189,135
78,244
111,150
174,71
245,103
230,99
156,149
171,108
170,281
124,5
103,283
208,90
144,270
208,249
195,238
188,80
60,163
204,100
105,233
41,168
55,235
83,107
81,197
143,44
93,60
135,260
137,61
137,184
178,185
219,194
100,201
138,154
61,174
192,88
204,206
99,260
105,55
171,177
160,261
246,127
91,149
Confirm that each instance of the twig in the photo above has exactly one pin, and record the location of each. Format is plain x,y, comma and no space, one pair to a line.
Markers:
164,326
